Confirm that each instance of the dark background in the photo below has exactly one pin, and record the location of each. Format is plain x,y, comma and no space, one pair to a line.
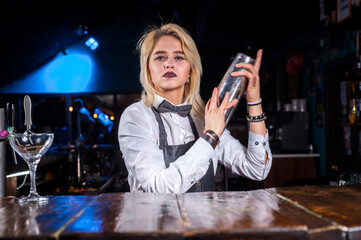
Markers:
32,34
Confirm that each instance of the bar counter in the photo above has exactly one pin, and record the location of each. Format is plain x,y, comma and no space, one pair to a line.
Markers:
307,212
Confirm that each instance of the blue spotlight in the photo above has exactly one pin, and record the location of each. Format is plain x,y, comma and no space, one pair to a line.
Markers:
69,73
92,43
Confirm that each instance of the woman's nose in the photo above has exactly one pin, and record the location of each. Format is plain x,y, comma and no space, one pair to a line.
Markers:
169,63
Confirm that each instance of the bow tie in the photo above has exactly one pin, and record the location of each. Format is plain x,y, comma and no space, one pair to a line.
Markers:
168,107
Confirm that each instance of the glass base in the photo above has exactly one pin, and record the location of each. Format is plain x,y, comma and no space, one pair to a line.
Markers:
34,198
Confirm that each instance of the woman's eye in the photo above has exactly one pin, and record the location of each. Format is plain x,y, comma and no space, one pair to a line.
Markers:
160,58
179,58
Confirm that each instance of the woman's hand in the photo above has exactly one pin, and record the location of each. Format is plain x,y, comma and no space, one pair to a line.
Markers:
214,114
253,89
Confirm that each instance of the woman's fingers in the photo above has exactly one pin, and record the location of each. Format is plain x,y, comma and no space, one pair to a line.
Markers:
225,101
231,104
210,106
257,63
207,105
250,73
225,104
246,67
214,99
253,69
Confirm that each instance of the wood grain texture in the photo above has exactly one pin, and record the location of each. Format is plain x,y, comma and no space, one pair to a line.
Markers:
313,212
130,216
241,215
38,221
338,204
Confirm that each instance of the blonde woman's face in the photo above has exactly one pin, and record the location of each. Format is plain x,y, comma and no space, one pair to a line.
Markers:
168,66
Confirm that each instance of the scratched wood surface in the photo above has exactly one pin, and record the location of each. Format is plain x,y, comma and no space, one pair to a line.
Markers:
130,216
340,205
38,221
212,215
314,212
255,214
317,228
237,215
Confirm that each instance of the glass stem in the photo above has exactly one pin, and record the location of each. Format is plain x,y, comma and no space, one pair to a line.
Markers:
32,169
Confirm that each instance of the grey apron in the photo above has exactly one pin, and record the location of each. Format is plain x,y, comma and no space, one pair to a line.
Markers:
173,152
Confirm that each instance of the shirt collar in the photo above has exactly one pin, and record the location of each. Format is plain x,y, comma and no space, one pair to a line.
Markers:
159,100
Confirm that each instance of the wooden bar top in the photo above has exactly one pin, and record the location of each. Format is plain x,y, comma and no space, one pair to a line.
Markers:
308,212
38,221
340,205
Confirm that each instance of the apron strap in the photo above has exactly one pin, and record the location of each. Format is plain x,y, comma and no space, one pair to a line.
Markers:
162,133
194,129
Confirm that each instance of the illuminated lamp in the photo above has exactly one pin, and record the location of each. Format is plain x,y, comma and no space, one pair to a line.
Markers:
92,43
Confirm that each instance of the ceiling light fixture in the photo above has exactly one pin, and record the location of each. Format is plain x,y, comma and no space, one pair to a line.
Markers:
92,43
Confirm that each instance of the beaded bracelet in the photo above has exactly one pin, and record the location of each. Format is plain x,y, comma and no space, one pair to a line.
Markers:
258,118
210,140
213,135
254,103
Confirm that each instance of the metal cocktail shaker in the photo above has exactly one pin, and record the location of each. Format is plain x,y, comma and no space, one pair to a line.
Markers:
234,85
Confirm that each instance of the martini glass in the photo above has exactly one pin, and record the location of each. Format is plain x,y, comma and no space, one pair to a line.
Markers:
31,147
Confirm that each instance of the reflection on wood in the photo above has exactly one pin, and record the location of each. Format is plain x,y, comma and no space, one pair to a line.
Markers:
38,220
338,205
129,214
213,215
220,215
317,228
314,212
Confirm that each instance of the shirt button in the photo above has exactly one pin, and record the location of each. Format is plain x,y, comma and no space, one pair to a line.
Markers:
256,143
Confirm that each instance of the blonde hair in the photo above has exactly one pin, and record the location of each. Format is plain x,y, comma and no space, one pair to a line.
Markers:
145,46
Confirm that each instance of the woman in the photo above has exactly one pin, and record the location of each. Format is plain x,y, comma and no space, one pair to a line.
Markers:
160,142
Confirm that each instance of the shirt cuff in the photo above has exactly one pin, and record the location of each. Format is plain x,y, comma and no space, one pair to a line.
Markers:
258,141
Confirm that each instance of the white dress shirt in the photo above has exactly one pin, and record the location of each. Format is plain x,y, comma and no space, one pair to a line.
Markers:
138,136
